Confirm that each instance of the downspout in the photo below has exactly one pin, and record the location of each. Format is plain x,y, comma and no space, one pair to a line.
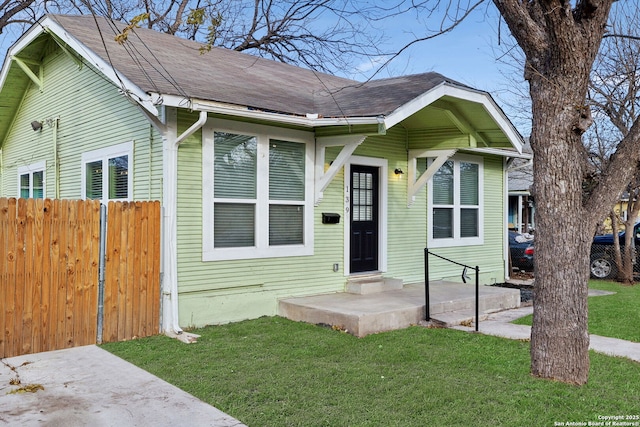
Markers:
194,127
56,171
170,318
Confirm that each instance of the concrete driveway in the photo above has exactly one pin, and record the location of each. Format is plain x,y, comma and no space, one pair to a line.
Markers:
85,386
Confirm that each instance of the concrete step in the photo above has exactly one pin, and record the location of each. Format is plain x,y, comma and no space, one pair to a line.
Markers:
464,317
363,314
491,299
371,283
346,315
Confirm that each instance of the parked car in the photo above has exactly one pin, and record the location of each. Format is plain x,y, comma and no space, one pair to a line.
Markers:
603,265
521,249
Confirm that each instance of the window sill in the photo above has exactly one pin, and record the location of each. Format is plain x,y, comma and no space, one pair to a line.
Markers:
451,243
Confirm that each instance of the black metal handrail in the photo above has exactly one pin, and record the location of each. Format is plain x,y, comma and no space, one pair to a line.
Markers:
427,310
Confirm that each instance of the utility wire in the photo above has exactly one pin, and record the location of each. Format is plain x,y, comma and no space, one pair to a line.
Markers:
138,58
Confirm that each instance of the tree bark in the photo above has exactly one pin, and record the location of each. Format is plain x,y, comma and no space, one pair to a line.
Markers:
560,43
559,337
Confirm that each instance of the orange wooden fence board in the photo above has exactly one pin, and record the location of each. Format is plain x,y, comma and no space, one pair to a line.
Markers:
49,265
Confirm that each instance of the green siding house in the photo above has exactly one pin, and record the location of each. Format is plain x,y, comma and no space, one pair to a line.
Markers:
275,181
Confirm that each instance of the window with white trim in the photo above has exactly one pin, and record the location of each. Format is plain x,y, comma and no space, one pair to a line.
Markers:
31,180
456,203
107,174
257,191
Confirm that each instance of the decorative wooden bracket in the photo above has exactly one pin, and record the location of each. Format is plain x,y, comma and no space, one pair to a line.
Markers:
457,118
323,179
22,63
416,183
74,57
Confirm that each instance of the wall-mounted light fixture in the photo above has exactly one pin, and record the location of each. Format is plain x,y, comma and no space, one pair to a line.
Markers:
398,171
36,125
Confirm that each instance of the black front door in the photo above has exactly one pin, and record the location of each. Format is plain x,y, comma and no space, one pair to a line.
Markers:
364,218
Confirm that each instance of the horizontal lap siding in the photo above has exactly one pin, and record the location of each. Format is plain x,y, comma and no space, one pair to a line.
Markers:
225,291
92,114
24,146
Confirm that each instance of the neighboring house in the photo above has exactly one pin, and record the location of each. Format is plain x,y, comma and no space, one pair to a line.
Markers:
620,208
521,213
275,181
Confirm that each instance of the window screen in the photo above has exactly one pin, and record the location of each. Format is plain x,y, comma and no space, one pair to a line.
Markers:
93,174
286,170
235,166
234,225
118,177
25,185
38,185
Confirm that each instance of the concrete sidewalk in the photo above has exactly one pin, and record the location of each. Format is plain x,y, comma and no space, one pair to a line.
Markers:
499,324
88,386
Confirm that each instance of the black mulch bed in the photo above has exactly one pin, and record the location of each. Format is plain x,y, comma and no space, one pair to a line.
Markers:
526,291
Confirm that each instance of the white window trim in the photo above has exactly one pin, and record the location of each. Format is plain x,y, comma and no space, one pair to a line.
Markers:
261,249
29,170
457,240
104,154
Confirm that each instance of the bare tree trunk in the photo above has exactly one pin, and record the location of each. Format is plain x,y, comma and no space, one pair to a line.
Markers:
559,337
560,41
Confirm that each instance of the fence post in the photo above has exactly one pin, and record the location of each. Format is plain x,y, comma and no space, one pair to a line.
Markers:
101,268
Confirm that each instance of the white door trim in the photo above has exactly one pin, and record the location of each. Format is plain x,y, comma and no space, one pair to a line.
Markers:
382,165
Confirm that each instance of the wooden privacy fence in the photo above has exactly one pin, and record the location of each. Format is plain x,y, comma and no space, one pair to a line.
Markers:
132,271
50,273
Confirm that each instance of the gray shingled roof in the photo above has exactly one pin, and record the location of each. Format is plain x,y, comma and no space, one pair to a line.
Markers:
522,179
165,64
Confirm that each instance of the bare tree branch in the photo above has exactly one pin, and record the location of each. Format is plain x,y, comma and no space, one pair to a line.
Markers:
10,12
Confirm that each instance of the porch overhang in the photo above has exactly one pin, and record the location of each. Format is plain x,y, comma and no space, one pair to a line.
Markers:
448,120
451,116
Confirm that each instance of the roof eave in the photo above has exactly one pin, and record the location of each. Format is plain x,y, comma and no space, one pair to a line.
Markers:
29,36
311,120
449,89
499,152
48,25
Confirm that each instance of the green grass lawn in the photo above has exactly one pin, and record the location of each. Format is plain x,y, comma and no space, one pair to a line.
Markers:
275,372
616,316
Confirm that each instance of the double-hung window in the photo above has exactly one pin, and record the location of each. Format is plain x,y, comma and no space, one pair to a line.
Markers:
31,181
455,203
107,174
257,188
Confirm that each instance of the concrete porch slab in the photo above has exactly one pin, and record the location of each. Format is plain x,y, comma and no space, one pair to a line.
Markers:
362,315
